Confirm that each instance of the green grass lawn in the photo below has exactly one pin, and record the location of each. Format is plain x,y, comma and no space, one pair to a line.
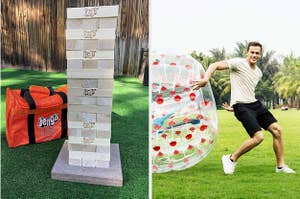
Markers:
25,171
255,175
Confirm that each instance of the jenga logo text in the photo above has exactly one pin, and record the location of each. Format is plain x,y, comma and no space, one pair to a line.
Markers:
88,125
48,121
89,53
90,12
89,91
89,34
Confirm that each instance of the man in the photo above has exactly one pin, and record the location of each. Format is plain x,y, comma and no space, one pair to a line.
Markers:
244,76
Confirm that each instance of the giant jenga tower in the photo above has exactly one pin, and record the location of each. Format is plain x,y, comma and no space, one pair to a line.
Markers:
90,42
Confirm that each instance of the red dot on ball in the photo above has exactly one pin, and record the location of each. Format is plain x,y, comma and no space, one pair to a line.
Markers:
160,154
176,152
199,116
203,127
187,89
156,148
163,88
188,136
172,92
173,143
188,67
192,96
159,100
177,98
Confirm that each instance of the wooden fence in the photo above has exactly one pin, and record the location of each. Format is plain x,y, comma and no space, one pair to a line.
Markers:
33,33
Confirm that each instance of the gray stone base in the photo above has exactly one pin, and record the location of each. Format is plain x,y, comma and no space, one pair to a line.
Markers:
111,176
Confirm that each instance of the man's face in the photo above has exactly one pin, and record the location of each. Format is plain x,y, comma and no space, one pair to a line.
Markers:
253,54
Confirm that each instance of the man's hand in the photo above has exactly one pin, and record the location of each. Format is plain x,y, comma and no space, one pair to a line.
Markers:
199,83
227,107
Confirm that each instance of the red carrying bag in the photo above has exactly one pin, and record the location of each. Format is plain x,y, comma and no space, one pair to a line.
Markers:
35,115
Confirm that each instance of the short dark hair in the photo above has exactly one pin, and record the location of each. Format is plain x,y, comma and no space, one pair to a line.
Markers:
254,43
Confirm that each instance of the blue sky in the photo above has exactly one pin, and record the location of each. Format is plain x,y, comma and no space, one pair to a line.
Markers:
184,26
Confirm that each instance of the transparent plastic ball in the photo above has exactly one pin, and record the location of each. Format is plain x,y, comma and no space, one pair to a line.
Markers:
184,121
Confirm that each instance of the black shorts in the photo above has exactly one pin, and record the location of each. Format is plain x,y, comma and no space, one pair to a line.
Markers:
253,116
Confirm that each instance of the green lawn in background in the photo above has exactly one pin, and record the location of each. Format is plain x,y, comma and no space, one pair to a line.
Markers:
255,175
25,171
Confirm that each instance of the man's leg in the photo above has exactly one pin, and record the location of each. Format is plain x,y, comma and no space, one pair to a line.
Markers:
249,144
276,132
229,162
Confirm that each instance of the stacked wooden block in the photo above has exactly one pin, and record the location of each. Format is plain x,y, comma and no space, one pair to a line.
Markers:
90,41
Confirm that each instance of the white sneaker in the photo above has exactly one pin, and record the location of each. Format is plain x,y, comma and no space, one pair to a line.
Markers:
285,169
228,165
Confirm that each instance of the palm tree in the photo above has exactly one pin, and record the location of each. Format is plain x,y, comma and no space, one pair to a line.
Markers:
287,80
241,49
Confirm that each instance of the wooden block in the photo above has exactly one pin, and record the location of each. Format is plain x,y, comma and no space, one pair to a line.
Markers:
108,33
74,132
83,83
88,12
105,63
108,22
90,54
103,148
77,116
94,155
92,24
75,140
91,44
90,73
106,44
89,92
88,162
89,108
104,117
100,126
76,24
101,164
72,44
109,176
88,117
90,63
75,162
75,158
91,83
100,101
87,133
83,147
85,24
100,117
74,63
102,134
85,140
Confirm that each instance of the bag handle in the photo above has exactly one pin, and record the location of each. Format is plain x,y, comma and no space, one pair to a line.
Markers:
49,91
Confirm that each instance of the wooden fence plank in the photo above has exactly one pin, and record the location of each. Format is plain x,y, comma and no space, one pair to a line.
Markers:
33,33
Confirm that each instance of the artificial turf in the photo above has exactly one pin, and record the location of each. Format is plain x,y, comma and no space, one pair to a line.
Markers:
25,171
255,175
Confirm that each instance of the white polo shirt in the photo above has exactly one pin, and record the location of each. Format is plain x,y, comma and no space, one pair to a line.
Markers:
243,80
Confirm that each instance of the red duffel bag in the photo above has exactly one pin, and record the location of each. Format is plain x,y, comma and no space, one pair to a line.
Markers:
35,115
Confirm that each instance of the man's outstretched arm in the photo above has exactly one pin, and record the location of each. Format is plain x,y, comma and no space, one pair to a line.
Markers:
221,65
